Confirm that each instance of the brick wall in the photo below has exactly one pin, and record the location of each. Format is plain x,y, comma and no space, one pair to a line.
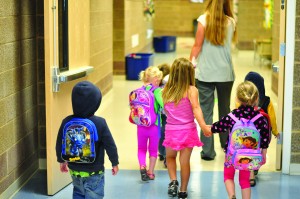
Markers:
101,43
18,82
295,153
175,17
250,23
41,78
129,21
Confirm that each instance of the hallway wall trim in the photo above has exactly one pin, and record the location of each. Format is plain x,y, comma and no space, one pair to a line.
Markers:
295,169
288,86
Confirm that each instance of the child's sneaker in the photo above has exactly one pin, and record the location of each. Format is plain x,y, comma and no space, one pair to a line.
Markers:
144,175
151,175
173,188
182,195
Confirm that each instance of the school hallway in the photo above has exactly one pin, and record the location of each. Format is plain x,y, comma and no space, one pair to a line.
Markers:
206,179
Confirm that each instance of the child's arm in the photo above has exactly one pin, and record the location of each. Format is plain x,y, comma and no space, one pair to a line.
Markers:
264,154
193,97
223,125
158,97
272,115
262,124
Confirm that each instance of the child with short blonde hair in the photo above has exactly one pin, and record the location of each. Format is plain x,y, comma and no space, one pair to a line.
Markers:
150,77
247,96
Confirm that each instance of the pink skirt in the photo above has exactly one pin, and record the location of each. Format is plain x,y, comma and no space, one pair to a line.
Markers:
180,139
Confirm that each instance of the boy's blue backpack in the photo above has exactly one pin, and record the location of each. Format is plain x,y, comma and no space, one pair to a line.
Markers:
141,102
244,144
78,141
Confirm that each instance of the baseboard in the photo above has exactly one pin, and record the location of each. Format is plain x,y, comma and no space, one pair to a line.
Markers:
43,164
294,169
17,184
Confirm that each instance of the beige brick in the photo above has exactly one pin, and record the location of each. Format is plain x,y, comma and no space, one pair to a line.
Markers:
9,56
3,165
9,8
28,51
28,7
10,30
296,119
6,182
7,137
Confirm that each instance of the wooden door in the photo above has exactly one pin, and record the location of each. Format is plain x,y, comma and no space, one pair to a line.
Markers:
281,80
58,103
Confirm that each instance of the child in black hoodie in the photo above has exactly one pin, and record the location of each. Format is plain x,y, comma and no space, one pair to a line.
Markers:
88,179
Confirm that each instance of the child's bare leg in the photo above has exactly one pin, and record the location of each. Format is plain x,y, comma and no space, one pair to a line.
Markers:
184,159
229,181
230,188
252,175
246,193
171,162
152,163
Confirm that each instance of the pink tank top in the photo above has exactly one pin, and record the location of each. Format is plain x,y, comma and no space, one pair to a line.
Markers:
180,116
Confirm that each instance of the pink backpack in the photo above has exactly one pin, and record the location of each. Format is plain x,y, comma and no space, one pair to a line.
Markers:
244,144
141,102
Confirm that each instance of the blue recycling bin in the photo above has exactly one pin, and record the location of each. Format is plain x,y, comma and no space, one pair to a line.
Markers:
164,44
136,62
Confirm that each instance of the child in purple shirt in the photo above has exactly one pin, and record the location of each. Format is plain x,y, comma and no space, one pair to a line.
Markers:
247,96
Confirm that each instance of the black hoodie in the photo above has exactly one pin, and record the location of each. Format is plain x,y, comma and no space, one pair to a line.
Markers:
86,99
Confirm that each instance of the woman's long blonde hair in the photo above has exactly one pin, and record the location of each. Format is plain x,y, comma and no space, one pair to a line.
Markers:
216,21
181,77
247,93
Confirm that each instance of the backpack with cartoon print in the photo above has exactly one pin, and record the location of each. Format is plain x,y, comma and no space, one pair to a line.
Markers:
78,141
244,144
141,102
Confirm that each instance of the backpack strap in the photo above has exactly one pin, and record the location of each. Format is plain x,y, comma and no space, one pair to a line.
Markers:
252,120
256,117
265,103
233,117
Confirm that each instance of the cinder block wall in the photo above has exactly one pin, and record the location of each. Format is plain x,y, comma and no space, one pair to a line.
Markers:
175,17
250,23
129,21
295,156
41,78
101,43
18,80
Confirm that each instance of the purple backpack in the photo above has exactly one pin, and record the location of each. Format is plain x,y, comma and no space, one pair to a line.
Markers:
244,150
141,102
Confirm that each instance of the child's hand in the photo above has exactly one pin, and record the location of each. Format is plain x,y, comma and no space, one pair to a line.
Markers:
264,154
277,136
64,167
115,170
207,131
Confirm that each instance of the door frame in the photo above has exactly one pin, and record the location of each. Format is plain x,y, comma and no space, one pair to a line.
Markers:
288,86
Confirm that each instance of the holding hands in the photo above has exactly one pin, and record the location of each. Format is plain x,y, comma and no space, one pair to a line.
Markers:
207,131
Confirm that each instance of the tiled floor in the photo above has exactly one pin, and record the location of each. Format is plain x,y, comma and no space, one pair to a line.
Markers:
206,177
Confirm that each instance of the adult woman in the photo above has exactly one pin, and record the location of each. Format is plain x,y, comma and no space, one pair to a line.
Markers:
214,69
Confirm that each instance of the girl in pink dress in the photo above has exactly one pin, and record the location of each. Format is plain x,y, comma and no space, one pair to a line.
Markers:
180,97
